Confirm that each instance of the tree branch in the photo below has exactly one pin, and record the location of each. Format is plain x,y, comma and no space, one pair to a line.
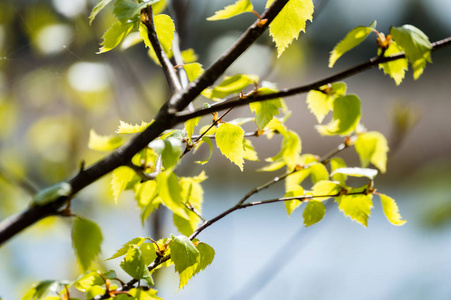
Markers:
237,101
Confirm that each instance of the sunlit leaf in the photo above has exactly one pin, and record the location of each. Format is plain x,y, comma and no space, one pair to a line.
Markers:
265,110
189,56
351,40
148,252
289,22
337,163
357,207
346,116
114,35
230,85
170,191
193,70
372,147
356,172
189,127
416,45
125,10
183,253
321,102
86,240
250,153
165,28
123,250
208,141
291,205
239,7
397,68
318,172
97,8
129,128
103,142
121,177
325,188
39,290
88,280
133,264
313,212
169,149
230,141
391,210
140,294
290,151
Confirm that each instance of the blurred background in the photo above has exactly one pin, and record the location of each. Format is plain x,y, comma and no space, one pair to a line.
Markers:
54,88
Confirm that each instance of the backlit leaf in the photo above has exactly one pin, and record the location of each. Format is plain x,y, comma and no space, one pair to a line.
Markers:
165,28
148,252
372,147
170,191
193,70
97,8
230,141
123,250
239,7
189,56
133,264
169,149
324,188
337,163
206,140
39,290
391,210
291,150
129,128
189,127
356,172
103,142
265,110
206,257
357,207
250,153
397,68
321,102
230,85
114,35
183,253
291,205
313,212
86,240
121,177
351,40
88,280
140,294
289,22
416,45
346,116
318,172
125,10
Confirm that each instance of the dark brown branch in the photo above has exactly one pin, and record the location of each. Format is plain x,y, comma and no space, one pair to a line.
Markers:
168,68
237,101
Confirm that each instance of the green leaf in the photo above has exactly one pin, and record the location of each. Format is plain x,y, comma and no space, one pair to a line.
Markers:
250,153
193,70
103,142
208,141
87,280
291,150
391,210
97,8
351,40
416,45
337,163
140,294
321,102
169,149
130,129
206,257
318,172
230,141
356,172
325,188
114,35
121,177
346,116
39,290
52,193
189,127
397,68
86,241
96,291
372,147
313,212
289,22
133,264
125,10
357,207
170,192
230,85
189,56
265,110
291,205
183,253
148,252
147,198
165,28
239,7
123,250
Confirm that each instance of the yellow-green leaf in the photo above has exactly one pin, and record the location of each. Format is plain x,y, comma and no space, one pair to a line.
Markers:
291,150
137,241
206,140
250,153
351,40
318,172
325,188
189,127
313,212
321,102
165,28
129,128
265,110
372,147
397,68
239,7
346,116
103,142
193,70
183,253
121,177
290,22
114,35
141,294
170,191
291,205
86,241
416,45
133,264
230,85
357,207
391,210
189,56
230,141
337,163
97,8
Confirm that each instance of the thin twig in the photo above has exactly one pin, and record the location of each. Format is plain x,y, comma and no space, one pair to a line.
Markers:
168,68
